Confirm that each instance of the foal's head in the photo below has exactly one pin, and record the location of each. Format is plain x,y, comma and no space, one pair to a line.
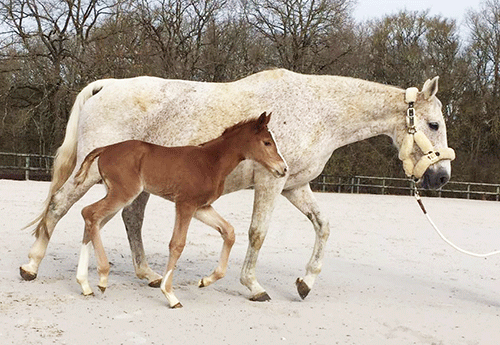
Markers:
257,143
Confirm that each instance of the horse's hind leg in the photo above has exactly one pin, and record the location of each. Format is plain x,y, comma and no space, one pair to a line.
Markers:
59,204
210,217
303,198
133,216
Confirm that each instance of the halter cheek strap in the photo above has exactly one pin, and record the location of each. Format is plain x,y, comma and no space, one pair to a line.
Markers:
412,137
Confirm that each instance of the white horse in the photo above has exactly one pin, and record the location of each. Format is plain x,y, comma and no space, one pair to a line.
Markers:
313,116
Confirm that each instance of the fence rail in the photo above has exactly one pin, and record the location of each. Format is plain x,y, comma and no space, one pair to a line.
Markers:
21,166
402,186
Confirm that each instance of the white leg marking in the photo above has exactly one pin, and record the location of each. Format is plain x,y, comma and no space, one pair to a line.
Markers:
82,272
172,300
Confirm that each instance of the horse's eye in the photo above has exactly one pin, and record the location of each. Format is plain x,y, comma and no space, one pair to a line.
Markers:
434,126
267,143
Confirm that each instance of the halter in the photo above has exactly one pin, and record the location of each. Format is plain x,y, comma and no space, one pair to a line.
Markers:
430,157
412,137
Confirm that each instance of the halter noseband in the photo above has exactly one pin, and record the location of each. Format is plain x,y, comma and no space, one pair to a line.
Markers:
412,136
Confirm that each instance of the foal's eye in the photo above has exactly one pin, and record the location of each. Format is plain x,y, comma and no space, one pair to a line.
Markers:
267,143
434,126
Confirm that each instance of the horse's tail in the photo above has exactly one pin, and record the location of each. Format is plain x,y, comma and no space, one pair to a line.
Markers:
82,173
65,159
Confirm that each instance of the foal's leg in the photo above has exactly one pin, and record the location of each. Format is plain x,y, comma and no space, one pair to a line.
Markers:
303,198
210,217
133,216
267,188
96,216
183,216
59,204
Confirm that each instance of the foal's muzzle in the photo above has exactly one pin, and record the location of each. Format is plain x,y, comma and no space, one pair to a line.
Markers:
281,171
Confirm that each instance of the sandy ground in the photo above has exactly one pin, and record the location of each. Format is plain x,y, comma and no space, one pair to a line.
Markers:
387,277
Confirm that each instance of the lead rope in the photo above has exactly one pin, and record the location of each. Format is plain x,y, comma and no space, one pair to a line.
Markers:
422,207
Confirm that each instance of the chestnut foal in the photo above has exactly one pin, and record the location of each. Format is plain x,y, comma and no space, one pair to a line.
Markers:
191,176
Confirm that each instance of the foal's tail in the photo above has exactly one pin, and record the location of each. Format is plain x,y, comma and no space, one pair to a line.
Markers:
82,173
65,159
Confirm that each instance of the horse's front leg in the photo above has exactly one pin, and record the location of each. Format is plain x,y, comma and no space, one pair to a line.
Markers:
267,188
210,217
133,217
303,198
183,216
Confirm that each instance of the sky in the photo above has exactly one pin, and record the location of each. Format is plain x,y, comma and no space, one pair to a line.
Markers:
455,9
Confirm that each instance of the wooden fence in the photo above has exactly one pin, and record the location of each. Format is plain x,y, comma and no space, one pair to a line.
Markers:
37,167
21,166
402,186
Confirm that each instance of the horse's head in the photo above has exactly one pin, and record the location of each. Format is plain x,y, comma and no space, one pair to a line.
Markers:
422,142
261,147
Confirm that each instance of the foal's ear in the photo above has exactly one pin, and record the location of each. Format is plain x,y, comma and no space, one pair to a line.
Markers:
262,121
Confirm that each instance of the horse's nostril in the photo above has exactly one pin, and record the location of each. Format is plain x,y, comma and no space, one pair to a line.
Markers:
444,179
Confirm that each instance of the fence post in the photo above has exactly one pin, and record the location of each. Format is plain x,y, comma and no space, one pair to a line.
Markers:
27,166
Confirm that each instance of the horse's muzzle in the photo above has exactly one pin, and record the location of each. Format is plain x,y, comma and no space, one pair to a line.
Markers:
435,178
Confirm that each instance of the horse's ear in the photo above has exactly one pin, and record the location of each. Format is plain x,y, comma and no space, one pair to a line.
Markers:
430,88
262,121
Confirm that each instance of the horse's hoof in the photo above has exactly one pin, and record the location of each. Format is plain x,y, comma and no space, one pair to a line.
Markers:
177,306
201,284
155,283
261,297
26,275
102,288
302,288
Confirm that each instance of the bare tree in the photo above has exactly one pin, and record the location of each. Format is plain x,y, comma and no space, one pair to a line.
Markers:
43,36
297,29
176,30
478,120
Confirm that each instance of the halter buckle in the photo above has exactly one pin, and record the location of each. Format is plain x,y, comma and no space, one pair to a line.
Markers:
410,119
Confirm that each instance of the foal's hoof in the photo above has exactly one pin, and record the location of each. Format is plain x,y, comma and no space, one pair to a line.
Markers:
302,288
102,288
201,283
177,306
261,297
155,283
26,275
